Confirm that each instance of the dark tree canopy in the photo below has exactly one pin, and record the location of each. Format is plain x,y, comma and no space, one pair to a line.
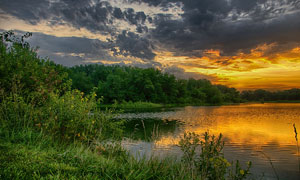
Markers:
136,84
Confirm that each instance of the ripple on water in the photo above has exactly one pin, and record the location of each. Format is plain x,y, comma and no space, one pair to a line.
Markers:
261,133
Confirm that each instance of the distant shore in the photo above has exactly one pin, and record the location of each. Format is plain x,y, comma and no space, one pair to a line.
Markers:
150,105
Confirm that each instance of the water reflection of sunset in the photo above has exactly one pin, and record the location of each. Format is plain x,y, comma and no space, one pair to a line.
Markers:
252,132
241,125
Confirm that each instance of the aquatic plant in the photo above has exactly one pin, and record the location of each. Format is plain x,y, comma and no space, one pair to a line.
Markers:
296,137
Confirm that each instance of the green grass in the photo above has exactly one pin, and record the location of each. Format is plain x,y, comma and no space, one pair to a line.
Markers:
148,105
132,105
29,155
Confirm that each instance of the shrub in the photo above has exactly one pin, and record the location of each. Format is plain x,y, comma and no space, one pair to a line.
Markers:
208,162
15,113
24,73
75,116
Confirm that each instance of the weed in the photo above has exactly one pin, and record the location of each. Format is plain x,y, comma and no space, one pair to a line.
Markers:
208,162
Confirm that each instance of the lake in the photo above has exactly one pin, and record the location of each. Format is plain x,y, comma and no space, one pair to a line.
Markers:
261,133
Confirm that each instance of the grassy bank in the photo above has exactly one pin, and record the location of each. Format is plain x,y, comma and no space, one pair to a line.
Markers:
148,105
49,131
132,105
28,154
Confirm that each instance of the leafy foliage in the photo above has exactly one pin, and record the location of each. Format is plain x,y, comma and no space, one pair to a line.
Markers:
74,116
116,83
35,93
205,158
24,73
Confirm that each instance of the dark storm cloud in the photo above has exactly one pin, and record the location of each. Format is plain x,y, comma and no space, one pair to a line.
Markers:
118,13
84,14
28,10
66,44
96,16
69,50
231,26
130,44
135,18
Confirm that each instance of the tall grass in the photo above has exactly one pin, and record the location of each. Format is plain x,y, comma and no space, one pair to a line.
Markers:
28,154
48,131
69,117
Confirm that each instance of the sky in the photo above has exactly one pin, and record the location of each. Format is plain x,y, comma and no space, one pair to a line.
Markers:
246,44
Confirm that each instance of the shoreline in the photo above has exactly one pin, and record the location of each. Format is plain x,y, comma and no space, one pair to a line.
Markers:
149,105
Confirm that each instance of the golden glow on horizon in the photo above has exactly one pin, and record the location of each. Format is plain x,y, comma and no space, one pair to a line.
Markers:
257,69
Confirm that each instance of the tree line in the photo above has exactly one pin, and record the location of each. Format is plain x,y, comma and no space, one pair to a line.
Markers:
123,83
115,83
263,95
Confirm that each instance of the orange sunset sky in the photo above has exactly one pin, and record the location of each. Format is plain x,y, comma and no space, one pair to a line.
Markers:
246,44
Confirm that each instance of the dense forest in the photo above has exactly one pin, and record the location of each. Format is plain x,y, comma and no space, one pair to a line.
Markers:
151,85
121,83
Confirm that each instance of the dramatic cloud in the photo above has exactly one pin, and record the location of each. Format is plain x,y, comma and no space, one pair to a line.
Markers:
218,40
95,16
229,26
69,51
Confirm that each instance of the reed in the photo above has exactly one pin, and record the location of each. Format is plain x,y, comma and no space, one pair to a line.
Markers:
296,137
271,163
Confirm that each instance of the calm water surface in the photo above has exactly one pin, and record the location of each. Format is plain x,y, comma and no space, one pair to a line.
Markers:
252,132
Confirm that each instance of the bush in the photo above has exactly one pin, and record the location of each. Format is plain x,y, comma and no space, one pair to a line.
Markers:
24,73
16,114
68,117
208,162
35,93
75,116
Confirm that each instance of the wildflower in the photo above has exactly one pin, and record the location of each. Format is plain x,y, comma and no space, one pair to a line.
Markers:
39,125
228,164
242,172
